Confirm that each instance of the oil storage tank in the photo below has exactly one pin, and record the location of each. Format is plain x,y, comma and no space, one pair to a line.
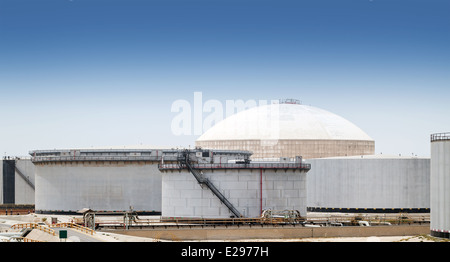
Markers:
440,185
288,129
17,185
369,184
109,179
232,188
99,179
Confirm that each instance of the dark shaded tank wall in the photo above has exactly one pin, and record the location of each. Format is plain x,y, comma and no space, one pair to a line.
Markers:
9,181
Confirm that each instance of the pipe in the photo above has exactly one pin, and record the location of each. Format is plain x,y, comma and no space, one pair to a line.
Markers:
260,192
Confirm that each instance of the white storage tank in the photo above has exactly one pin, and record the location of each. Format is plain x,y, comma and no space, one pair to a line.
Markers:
244,189
100,179
110,180
369,184
440,185
288,129
17,185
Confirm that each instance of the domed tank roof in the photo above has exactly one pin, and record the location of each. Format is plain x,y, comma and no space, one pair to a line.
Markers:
290,121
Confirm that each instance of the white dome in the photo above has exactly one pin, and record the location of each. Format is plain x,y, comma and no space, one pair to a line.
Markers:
284,122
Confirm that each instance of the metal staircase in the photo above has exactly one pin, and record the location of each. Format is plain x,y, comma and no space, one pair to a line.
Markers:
185,162
27,180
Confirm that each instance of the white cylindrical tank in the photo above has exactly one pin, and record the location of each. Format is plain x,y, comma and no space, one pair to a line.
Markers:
102,180
17,185
366,184
440,185
25,184
112,180
249,190
114,186
288,130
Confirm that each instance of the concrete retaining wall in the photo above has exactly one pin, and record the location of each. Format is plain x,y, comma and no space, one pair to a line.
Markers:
285,232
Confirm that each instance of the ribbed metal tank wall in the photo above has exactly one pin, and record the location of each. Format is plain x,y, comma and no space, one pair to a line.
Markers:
113,180
102,180
24,181
67,187
440,185
369,184
8,181
1,182
16,181
250,191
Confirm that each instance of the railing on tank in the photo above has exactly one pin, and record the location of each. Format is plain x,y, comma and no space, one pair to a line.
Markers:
240,166
96,158
440,136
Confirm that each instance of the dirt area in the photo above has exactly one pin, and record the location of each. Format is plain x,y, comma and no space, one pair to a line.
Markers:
419,238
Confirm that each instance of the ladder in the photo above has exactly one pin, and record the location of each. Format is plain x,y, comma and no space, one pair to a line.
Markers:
27,180
205,181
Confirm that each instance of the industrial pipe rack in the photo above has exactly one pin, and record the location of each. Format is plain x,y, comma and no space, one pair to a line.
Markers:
271,221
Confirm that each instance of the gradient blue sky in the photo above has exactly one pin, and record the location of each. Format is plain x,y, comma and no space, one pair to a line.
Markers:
85,73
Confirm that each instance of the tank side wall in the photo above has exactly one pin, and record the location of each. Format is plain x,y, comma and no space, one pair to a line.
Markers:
369,183
101,186
8,182
24,192
1,182
440,187
184,197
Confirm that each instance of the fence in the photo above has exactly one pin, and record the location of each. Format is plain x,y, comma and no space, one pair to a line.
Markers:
75,226
34,226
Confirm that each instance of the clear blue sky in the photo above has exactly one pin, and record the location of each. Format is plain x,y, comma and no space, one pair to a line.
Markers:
85,73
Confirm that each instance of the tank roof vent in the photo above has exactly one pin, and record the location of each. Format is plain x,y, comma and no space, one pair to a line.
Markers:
290,101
